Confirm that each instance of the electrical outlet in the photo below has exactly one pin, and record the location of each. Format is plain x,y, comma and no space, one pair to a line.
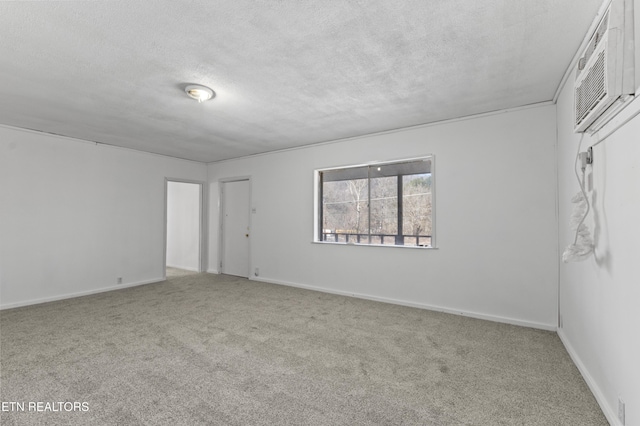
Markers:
256,271
621,411
119,280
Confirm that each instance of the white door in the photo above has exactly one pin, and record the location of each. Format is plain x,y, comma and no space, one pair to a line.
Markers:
235,228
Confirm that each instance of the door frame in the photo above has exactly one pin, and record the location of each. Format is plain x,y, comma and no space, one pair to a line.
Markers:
221,183
202,235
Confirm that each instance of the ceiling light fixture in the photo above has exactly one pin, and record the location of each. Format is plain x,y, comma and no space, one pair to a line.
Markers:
199,93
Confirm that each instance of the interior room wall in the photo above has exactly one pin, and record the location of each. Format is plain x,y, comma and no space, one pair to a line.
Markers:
599,297
496,227
183,225
75,216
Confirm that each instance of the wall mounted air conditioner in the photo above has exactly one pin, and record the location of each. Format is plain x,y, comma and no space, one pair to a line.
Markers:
605,72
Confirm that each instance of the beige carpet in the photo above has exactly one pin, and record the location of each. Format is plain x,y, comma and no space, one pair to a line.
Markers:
219,350
176,272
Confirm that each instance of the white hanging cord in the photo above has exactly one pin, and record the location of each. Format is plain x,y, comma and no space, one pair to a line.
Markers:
582,245
581,183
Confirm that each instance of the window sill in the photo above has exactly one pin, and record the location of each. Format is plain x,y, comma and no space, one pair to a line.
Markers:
375,245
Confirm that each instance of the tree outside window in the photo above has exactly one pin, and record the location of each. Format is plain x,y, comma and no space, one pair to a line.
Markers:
382,204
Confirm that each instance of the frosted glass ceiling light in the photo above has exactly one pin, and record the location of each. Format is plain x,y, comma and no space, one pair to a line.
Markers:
199,93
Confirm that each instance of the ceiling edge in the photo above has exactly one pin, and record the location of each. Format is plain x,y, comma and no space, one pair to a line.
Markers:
391,131
86,141
334,141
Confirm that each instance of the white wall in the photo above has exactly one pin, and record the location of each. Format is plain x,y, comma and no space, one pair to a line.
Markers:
600,297
495,219
183,225
75,216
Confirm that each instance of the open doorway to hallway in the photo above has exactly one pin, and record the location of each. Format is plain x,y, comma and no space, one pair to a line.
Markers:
183,254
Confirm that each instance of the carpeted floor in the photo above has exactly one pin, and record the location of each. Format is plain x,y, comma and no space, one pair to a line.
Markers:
178,273
219,350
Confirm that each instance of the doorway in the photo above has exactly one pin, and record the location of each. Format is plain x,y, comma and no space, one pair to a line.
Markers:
235,196
183,250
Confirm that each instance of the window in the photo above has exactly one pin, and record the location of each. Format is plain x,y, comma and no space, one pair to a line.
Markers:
387,204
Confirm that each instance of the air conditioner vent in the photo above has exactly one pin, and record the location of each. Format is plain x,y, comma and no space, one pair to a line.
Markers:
592,89
605,73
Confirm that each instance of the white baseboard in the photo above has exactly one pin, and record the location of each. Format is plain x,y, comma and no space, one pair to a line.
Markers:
495,318
77,294
212,271
609,412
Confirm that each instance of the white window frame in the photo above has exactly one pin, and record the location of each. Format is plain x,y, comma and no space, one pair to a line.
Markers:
317,239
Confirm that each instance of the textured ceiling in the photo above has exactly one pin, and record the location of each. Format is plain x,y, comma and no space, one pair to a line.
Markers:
286,73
